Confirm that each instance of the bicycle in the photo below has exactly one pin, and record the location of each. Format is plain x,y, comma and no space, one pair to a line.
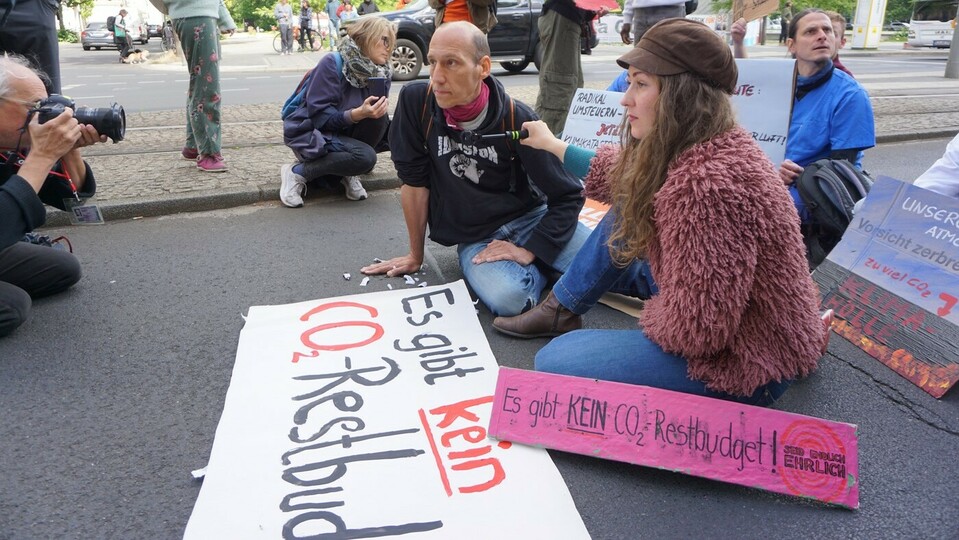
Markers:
168,43
317,36
278,41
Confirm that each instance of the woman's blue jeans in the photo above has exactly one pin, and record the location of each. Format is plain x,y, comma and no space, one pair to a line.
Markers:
508,288
626,356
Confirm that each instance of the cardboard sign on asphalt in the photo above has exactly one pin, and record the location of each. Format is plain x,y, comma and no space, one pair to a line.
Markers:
893,281
365,416
722,440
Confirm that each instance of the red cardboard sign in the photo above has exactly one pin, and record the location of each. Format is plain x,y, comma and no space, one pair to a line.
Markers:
722,440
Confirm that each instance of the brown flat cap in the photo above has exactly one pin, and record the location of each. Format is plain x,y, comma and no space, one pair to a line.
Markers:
674,46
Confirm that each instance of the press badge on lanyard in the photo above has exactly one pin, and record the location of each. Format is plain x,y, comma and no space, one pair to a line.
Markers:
83,211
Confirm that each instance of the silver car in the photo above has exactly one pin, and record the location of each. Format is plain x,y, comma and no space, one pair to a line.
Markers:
96,36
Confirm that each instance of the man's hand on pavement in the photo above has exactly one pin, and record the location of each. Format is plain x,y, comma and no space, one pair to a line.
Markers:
396,266
500,250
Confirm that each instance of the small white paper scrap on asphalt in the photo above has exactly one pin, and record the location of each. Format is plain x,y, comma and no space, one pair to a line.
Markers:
365,281
199,473
347,276
422,284
389,286
409,279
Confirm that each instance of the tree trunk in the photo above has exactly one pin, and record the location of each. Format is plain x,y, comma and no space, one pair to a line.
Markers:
60,17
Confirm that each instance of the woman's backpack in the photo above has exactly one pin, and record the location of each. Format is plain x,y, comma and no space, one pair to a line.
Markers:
299,95
830,188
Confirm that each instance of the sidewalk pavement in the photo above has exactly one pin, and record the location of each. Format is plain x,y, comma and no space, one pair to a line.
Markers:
146,176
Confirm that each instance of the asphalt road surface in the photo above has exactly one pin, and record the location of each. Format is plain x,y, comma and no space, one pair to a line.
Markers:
111,393
96,79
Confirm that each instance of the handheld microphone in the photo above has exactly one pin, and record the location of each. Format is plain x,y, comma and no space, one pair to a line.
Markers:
471,137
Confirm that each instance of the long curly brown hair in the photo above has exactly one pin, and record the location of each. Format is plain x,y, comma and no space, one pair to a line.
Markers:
688,111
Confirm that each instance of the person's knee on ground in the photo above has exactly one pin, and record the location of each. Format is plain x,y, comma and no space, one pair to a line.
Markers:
505,299
364,159
14,308
63,273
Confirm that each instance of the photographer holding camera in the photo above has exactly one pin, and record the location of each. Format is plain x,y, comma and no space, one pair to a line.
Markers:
42,165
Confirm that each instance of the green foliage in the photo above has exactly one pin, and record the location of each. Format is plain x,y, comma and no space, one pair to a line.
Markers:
901,35
260,12
898,10
86,6
67,36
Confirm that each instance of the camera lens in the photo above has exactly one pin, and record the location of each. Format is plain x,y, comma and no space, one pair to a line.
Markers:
110,121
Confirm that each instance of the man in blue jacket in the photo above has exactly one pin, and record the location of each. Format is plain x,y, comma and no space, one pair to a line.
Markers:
831,115
52,159
511,210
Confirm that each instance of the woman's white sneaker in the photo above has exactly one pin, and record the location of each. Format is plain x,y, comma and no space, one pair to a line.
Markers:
354,189
292,187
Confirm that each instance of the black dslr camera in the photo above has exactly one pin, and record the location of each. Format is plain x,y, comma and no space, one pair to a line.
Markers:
110,121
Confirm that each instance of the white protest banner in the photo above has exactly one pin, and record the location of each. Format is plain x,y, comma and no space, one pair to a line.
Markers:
594,118
763,101
608,28
365,416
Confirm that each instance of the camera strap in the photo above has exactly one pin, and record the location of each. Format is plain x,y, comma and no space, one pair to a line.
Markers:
13,159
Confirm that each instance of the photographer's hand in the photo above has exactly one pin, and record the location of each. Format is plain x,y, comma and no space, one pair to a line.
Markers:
48,143
73,162
88,136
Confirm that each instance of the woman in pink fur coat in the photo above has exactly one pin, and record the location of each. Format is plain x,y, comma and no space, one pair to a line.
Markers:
701,227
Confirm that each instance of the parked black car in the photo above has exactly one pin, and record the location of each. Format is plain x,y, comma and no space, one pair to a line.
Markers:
514,41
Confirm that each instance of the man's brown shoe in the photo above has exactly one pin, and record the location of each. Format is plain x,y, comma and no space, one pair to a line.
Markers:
548,319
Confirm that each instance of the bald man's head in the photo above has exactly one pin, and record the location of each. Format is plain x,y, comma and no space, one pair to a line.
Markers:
471,37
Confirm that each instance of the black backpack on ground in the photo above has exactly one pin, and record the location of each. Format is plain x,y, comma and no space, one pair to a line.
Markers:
112,23
830,188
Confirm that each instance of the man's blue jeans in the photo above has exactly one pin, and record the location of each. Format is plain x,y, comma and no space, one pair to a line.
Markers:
508,288
626,356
